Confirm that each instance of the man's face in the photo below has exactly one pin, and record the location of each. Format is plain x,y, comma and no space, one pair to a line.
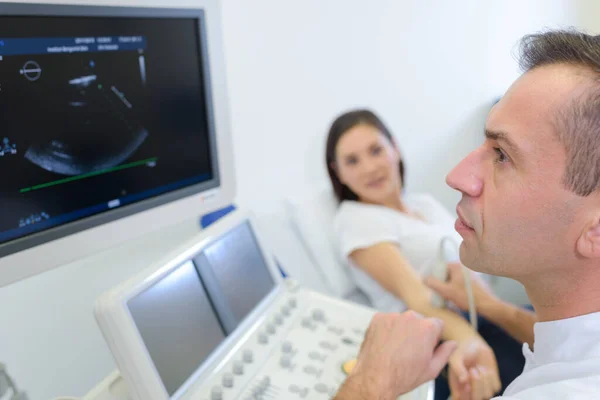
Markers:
516,217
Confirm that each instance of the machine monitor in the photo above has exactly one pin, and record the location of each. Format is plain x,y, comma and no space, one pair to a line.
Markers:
236,274
177,324
168,324
115,123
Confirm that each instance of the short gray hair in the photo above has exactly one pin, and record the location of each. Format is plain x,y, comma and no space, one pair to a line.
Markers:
579,123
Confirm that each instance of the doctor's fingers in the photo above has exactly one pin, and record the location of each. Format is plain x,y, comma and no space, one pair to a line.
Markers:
492,381
483,383
477,385
459,391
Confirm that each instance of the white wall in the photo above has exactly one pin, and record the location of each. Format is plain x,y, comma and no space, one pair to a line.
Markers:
587,16
430,69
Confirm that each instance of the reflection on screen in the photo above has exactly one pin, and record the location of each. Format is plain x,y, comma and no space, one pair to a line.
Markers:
177,324
236,275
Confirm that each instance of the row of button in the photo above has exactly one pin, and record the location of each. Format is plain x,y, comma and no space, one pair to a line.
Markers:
271,329
228,379
328,346
286,363
337,331
286,359
303,392
248,356
316,316
313,355
261,388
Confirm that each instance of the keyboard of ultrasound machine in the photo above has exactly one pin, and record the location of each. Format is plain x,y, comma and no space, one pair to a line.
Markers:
295,351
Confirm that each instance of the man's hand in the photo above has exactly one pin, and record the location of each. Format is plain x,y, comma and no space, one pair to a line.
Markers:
473,372
454,288
398,354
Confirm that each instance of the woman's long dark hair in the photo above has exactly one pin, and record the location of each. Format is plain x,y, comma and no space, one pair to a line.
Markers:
339,127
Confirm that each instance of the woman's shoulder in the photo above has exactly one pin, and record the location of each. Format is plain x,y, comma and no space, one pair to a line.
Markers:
360,225
361,219
350,211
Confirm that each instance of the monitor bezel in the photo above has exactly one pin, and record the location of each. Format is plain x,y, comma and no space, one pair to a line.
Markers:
18,257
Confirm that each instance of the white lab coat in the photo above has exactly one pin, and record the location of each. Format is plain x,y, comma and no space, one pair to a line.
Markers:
565,363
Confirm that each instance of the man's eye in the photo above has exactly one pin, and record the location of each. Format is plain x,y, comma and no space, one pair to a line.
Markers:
501,156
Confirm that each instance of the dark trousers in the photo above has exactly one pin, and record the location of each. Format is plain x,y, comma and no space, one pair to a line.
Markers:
508,351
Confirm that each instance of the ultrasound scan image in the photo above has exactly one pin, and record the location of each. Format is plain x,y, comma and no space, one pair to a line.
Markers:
97,117
90,123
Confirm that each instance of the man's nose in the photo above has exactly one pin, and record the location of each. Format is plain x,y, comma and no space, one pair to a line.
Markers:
466,176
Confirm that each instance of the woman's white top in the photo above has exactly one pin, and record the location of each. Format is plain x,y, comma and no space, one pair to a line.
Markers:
359,225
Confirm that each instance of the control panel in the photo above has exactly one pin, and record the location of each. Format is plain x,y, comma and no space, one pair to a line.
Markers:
295,351
216,321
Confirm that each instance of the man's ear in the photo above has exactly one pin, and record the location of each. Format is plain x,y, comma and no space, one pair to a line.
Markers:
588,243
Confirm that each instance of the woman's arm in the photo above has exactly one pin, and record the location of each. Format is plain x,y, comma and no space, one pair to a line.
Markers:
518,322
384,263
515,320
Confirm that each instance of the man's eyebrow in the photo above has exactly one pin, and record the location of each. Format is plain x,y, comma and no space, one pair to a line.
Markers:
502,137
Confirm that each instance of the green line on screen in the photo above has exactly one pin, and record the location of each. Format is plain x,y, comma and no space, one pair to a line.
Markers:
89,175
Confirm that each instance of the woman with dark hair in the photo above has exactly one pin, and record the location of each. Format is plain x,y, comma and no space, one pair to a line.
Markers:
391,239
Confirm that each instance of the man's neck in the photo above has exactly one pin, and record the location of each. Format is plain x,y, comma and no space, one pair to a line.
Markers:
565,296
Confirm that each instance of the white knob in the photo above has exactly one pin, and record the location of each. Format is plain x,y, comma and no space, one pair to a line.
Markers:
238,368
278,320
309,369
285,311
349,341
359,332
262,338
294,389
228,380
293,303
264,384
309,324
286,347
248,356
321,388
318,315
285,362
337,331
216,393
271,329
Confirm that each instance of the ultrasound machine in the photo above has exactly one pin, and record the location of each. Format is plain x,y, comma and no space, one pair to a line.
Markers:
117,120
215,321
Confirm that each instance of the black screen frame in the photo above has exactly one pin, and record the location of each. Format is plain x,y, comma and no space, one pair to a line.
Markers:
63,10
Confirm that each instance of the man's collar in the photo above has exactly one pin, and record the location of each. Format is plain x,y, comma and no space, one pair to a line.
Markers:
565,340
